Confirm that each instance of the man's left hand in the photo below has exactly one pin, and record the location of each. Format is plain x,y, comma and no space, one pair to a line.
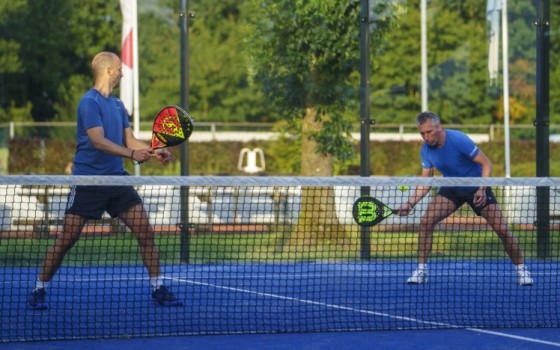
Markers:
480,197
164,156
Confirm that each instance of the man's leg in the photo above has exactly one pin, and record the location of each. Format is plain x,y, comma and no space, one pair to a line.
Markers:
73,225
438,209
493,215
136,219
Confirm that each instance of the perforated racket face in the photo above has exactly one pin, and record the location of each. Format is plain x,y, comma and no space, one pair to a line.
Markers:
369,211
172,127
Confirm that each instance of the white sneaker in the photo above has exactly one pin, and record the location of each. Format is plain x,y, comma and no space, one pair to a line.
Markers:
419,276
524,277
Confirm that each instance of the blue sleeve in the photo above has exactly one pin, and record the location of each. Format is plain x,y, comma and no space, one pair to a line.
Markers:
89,113
126,123
426,162
466,146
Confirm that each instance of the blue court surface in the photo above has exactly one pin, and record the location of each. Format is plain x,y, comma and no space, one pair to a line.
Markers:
466,305
510,339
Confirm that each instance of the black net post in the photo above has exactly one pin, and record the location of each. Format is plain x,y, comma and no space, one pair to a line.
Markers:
185,231
542,122
365,120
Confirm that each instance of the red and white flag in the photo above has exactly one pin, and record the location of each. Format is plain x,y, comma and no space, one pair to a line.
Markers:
129,23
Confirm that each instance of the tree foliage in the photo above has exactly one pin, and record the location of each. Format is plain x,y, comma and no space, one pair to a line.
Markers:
54,41
259,60
220,88
307,55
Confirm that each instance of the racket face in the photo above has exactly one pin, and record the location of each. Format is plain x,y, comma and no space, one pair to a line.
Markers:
172,127
368,211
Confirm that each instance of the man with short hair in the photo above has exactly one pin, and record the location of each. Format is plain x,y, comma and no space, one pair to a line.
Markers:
454,154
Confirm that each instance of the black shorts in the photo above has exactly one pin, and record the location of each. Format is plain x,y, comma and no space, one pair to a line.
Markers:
91,201
459,197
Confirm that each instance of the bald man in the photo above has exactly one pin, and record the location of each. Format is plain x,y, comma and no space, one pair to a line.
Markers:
104,138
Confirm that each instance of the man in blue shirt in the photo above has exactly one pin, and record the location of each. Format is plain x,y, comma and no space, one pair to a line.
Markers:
104,138
454,154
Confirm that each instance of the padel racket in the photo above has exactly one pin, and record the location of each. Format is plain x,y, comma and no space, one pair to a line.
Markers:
172,127
368,211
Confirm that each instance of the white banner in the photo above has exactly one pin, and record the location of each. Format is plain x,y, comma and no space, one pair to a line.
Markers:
128,8
493,16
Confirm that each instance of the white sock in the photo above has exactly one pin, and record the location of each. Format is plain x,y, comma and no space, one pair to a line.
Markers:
40,284
520,267
156,282
422,266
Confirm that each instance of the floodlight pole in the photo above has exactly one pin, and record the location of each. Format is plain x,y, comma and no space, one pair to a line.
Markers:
424,55
184,223
365,121
542,24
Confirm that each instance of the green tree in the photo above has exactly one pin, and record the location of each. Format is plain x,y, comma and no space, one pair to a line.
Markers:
94,26
306,53
54,42
220,86
459,89
554,63
11,107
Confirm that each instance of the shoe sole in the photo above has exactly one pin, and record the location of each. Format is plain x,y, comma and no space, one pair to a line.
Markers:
168,303
40,306
425,282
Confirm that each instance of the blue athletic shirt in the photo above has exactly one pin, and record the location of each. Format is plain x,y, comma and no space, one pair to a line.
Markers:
454,158
94,110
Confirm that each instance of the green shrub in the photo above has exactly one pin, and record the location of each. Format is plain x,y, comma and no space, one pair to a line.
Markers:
32,155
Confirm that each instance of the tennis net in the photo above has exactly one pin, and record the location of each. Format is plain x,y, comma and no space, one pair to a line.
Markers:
277,254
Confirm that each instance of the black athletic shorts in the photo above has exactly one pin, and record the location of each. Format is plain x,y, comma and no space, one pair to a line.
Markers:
459,197
91,201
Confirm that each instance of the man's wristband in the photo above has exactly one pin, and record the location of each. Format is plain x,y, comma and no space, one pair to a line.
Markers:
132,155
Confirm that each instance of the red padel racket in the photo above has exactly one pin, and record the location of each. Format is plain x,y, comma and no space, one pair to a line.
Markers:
172,127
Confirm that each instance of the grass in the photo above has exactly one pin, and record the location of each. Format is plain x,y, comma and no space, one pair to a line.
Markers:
267,248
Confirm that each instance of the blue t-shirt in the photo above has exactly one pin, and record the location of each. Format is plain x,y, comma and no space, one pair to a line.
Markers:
94,110
454,158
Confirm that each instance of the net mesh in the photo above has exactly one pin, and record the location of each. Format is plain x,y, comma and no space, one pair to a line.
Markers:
274,254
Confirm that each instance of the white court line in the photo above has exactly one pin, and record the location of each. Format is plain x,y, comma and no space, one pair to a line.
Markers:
367,312
506,335
333,306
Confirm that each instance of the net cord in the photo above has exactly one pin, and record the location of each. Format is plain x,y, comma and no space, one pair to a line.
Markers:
257,181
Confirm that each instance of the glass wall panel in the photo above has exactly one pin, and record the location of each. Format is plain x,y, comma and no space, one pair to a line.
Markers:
465,73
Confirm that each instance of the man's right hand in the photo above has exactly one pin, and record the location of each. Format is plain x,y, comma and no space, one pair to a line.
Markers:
404,209
142,155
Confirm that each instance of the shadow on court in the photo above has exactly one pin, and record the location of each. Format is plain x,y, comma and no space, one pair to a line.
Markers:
498,339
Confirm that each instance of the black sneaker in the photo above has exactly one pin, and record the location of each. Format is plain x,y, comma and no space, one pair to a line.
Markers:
163,297
36,300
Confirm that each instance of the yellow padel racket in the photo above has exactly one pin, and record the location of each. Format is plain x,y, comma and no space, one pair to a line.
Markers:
368,211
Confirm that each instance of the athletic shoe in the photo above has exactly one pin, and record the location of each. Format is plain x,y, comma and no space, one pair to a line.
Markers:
36,300
163,297
419,276
524,277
